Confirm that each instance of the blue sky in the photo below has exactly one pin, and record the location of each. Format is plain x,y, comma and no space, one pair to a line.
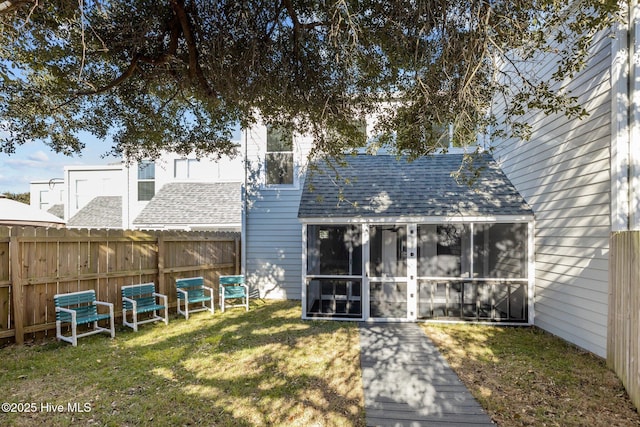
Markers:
35,161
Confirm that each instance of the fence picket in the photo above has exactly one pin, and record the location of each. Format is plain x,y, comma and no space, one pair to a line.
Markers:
37,263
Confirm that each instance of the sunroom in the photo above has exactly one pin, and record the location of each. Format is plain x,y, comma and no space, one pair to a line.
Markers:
385,239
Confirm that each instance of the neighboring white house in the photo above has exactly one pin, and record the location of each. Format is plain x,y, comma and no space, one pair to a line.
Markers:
48,196
582,179
84,183
172,192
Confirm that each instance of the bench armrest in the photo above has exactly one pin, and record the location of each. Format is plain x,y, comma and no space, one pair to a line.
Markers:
163,297
132,301
182,291
209,289
73,313
107,304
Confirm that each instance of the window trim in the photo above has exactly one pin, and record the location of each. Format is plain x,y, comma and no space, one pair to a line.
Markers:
294,169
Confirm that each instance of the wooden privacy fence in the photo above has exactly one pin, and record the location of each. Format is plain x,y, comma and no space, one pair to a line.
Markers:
623,331
37,263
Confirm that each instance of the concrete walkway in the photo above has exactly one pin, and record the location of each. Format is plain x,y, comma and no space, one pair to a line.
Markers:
408,383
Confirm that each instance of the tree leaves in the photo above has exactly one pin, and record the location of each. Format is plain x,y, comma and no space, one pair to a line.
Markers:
180,74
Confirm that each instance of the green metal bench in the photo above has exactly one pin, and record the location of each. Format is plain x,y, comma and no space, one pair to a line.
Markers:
233,288
143,298
80,308
192,290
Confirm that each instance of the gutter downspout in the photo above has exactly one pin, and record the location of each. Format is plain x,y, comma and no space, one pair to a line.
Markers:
634,116
625,123
245,203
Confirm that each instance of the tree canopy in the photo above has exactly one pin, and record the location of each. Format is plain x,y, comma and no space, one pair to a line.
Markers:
179,74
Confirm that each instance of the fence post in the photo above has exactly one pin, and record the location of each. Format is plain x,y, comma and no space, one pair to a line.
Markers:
161,253
237,255
17,290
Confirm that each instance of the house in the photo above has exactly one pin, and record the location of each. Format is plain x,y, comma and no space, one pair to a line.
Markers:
387,240
14,213
406,240
193,206
83,183
48,196
582,180
171,192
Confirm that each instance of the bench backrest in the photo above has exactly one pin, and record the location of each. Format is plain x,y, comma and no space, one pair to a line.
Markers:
190,283
142,293
232,280
137,291
230,285
75,298
82,302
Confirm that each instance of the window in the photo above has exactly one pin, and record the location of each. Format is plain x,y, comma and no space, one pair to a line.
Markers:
334,271
279,157
334,250
43,199
443,250
146,180
184,168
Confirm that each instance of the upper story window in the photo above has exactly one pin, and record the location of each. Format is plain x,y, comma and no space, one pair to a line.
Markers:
279,157
146,180
184,168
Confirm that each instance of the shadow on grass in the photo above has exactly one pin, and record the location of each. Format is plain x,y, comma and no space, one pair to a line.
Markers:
524,376
262,367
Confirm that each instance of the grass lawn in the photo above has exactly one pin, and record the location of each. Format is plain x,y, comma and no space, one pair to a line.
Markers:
526,377
269,367
264,367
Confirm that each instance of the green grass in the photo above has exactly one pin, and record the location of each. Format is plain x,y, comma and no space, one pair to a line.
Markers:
264,367
526,377
269,367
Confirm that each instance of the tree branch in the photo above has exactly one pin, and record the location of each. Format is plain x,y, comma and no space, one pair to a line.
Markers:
195,71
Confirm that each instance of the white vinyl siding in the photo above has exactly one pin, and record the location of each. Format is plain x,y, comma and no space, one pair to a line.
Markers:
272,231
274,244
563,173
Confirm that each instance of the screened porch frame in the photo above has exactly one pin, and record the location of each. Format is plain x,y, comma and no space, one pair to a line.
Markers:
412,277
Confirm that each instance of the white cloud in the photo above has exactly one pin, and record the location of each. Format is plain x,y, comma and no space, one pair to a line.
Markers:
39,156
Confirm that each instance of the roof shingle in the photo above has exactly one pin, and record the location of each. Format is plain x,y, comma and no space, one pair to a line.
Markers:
387,186
188,203
100,212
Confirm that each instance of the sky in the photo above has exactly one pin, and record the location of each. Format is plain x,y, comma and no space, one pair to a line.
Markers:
35,161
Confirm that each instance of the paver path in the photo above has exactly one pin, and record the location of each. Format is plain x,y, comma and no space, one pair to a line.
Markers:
408,383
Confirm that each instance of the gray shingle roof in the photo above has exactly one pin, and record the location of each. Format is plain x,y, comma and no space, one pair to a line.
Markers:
100,212
385,186
185,203
57,210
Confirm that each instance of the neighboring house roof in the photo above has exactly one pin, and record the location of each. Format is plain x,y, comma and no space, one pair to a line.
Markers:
385,186
100,212
189,204
57,210
16,213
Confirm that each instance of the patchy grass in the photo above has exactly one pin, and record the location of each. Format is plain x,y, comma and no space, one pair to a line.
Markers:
269,367
264,367
526,377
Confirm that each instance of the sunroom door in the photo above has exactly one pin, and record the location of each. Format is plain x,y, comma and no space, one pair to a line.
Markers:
387,272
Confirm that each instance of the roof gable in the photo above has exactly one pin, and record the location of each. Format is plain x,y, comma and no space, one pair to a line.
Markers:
387,186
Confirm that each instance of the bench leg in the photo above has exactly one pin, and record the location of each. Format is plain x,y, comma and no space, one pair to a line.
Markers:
74,334
184,312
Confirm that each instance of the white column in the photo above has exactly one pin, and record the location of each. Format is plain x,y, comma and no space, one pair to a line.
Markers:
634,115
619,129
